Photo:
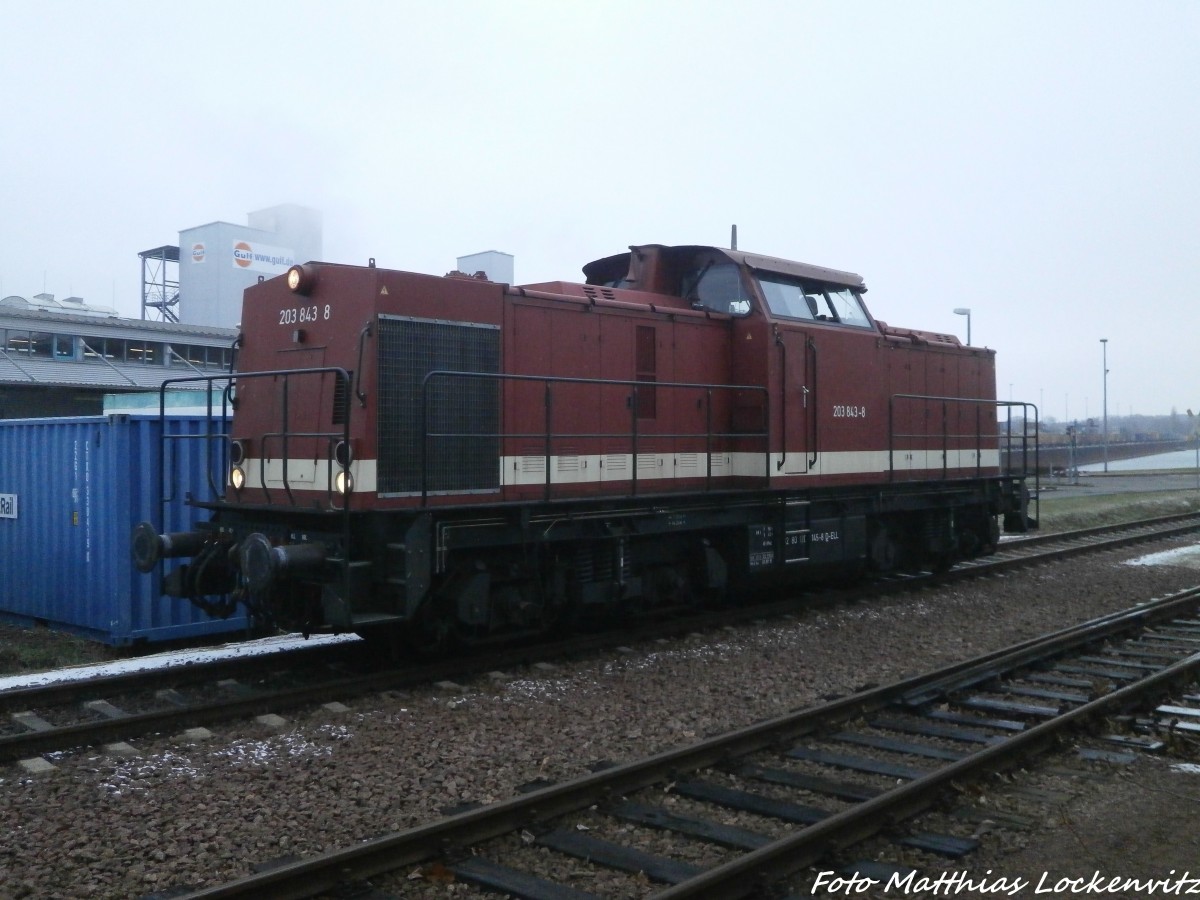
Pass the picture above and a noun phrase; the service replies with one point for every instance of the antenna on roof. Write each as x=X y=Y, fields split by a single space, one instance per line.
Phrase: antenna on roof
x=733 y=238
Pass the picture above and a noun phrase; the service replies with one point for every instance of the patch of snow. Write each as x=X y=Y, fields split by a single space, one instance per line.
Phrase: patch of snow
x=1186 y=557
x=131 y=776
x=261 y=647
x=292 y=746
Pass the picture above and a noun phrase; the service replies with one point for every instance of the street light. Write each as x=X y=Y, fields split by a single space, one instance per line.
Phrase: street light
x=965 y=311
x=1196 y=438
x=1104 y=346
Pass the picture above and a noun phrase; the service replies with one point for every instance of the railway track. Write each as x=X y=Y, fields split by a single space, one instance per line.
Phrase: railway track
x=826 y=777
x=1064 y=545
x=120 y=708
x=1175 y=523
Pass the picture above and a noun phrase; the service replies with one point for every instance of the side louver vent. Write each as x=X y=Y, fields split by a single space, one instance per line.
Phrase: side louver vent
x=455 y=431
x=341 y=398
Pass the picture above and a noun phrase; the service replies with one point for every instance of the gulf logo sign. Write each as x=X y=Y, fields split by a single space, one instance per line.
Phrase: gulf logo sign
x=242 y=254
x=256 y=257
x=198 y=252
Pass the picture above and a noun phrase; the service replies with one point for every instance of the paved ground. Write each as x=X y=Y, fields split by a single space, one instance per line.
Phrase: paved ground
x=1093 y=484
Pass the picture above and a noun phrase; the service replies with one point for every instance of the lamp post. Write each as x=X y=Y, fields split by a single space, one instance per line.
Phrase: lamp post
x=965 y=311
x=1104 y=346
x=1196 y=439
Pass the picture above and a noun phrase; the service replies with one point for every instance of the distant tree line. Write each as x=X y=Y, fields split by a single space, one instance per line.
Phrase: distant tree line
x=1175 y=426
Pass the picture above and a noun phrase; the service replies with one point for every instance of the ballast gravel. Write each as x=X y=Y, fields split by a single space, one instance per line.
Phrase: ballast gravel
x=199 y=812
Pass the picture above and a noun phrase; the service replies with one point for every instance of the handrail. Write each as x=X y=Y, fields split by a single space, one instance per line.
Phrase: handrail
x=1028 y=443
x=783 y=427
x=168 y=496
x=211 y=437
x=284 y=434
x=362 y=340
x=815 y=418
x=548 y=436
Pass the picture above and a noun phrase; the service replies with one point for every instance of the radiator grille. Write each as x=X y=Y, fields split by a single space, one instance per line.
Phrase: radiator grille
x=462 y=453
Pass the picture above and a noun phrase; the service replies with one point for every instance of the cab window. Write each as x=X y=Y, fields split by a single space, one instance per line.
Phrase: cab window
x=847 y=306
x=814 y=301
x=717 y=286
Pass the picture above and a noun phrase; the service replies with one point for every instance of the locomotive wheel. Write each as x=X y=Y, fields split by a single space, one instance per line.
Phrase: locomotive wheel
x=385 y=643
x=884 y=555
x=432 y=636
x=993 y=535
x=941 y=563
x=671 y=589
x=980 y=538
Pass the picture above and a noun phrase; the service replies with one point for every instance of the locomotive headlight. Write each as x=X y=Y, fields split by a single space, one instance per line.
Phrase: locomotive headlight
x=343 y=482
x=300 y=279
x=237 y=478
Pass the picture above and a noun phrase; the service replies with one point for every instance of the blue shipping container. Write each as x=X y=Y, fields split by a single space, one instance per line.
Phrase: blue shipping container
x=71 y=492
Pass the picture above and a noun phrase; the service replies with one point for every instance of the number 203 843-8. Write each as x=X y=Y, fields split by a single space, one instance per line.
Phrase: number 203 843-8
x=849 y=412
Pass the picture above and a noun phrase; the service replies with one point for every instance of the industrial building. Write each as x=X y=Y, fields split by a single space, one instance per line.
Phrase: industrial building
x=56 y=360
x=60 y=357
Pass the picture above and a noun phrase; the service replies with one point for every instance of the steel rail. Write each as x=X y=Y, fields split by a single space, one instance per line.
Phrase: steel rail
x=744 y=876
x=1182 y=520
x=739 y=878
x=1131 y=537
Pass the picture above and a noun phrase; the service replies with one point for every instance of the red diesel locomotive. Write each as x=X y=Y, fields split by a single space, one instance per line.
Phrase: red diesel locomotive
x=469 y=459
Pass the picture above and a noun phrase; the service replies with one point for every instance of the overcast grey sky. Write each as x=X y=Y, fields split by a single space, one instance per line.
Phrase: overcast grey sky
x=1038 y=162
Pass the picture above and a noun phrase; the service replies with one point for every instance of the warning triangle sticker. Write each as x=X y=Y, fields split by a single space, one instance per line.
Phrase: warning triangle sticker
x=383 y=291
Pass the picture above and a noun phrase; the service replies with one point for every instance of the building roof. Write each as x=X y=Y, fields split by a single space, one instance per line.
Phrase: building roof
x=43 y=319
x=46 y=302
x=70 y=373
x=18 y=370
x=167 y=251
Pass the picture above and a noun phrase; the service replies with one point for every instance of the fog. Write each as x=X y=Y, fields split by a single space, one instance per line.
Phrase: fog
x=1033 y=162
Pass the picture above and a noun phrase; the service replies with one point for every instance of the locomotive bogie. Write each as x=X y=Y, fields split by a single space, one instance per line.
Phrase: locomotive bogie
x=482 y=461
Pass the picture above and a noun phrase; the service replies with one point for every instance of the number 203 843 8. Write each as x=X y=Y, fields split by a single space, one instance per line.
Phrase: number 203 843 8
x=849 y=412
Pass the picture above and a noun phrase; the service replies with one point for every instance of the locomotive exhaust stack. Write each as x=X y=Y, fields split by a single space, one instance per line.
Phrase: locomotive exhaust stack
x=689 y=423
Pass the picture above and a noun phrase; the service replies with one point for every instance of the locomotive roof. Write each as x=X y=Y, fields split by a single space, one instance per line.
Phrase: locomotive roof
x=801 y=270
x=597 y=269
